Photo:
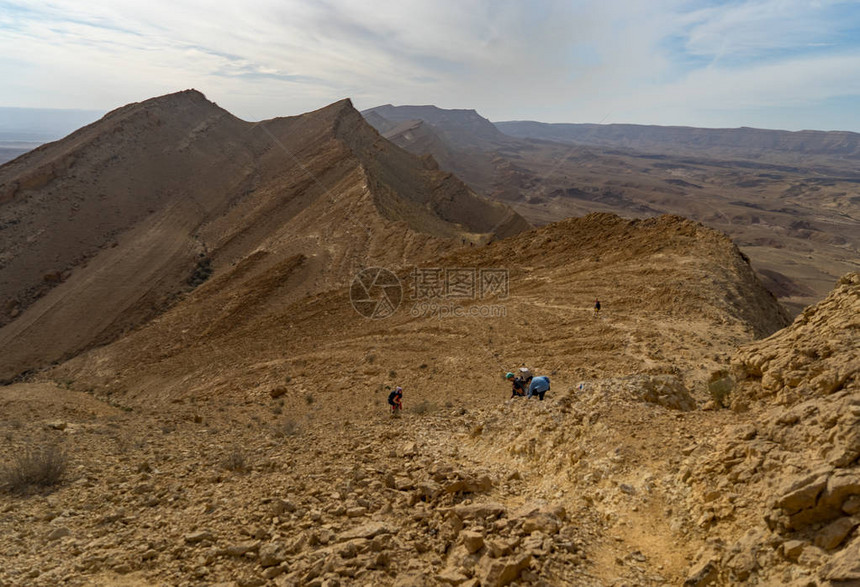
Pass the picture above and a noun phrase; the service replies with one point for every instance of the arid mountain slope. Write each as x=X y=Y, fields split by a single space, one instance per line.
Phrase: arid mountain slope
x=661 y=279
x=782 y=488
x=789 y=200
x=240 y=438
x=459 y=140
x=107 y=226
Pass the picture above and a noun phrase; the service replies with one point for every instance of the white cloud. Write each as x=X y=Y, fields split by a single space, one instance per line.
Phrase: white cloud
x=631 y=60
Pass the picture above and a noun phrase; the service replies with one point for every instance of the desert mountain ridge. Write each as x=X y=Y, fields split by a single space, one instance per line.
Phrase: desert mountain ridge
x=248 y=442
x=226 y=422
x=107 y=226
x=787 y=199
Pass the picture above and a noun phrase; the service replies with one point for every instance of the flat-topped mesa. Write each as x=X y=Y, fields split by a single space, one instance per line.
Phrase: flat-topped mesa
x=461 y=125
x=742 y=141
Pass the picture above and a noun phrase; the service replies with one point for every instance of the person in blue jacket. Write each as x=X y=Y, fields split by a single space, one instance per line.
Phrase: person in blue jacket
x=538 y=387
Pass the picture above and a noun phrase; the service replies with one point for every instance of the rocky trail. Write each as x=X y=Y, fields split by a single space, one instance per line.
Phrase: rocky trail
x=239 y=448
x=439 y=495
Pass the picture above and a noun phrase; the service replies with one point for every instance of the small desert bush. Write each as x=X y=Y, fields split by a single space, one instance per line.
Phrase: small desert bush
x=35 y=468
x=720 y=385
x=288 y=427
x=424 y=407
x=235 y=461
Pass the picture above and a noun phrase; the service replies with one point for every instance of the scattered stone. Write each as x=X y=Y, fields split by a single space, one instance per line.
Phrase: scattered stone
x=200 y=536
x=452 y=577
x=835 y=533
x=272 y=554
x=791 y=549
x=478 y=511
x=703 y=574
x=272 y=572
x=241 y=548
x=500 y=572
x=473 y=541
x=58 y=533
x=280 y=506
x=250 y=581
x=470 y=485
x=541 y=522
x=667 y=391
x=367 y=531
x=802 y=494
x=844 y=568
x=150 y=554
x=413 y=579
x=628 y=489
x=852 y=505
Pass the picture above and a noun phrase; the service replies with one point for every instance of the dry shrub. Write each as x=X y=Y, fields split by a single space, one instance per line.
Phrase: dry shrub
x=288 y=427
x=35 y=468
x=424 y=407
x=235 y=461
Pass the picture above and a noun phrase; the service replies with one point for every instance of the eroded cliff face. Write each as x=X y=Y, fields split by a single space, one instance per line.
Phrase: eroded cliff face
x=780 y=493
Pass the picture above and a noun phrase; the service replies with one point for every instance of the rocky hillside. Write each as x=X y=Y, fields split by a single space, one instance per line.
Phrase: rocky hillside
x=245 y=439
x=108 y=226
x=779 y=493
x=663 y=282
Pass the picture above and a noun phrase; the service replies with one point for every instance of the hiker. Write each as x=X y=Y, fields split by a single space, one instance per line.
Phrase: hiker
x=395 y=400
x=538 y=387
x=519 y=387
x=596 y=307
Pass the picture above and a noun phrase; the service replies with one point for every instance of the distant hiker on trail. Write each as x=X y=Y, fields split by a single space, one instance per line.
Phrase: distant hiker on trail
x=519 y=387
x=395 y=400
x=538 y=387
x=596 y=307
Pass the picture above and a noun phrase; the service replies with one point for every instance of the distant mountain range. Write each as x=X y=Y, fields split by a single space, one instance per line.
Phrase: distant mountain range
x=743 y=143
x=23 y=129
x=789 y=199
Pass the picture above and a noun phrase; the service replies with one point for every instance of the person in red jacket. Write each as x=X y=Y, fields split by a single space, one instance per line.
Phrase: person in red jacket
x=395 y=400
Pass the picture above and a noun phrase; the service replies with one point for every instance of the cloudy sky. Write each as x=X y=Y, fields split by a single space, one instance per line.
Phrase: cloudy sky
x=789 y=64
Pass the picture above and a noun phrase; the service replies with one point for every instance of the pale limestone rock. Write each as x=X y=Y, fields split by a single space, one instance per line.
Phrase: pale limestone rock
x=58 y=533
x=833 y=534
x=473 y=541
x=272 y=554
x=368 y=531
x=844 y=568
x=199 y=536
x=792 y=549
x=502 y=571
